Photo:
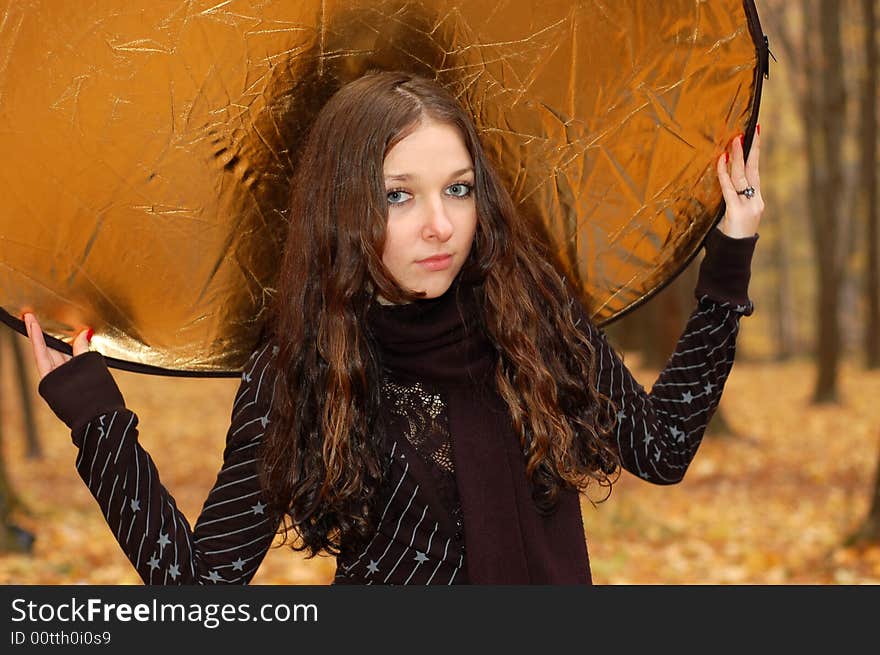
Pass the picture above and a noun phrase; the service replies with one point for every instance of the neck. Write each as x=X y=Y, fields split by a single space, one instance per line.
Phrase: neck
x=384 y=301
x=439 y=340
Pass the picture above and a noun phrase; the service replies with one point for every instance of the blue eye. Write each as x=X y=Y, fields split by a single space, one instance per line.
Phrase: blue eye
x=459 y=190
x=398 y=196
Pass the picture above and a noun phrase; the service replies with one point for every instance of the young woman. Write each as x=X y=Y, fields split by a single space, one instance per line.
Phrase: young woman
x=431 y=397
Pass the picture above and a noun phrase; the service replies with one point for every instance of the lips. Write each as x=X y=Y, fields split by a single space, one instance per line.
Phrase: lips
x=436 y=263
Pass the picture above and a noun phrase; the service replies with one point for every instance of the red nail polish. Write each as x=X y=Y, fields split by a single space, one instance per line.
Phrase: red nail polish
x=759 y=129
x=89 y=335
x=726 y=157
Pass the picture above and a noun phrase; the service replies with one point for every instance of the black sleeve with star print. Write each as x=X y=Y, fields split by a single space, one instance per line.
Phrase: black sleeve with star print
x=657 y=434
x=232 y=533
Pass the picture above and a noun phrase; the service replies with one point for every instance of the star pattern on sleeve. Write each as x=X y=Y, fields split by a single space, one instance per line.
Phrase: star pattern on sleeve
x=657 y=434
x=233 y=527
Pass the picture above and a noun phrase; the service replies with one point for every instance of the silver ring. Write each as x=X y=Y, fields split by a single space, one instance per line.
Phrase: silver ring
x=748 y=192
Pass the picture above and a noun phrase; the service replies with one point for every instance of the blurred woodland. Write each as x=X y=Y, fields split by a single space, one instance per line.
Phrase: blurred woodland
x=786 y=486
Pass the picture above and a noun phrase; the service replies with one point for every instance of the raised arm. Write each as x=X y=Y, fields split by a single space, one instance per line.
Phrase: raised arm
x=658 y=433
x=232 y=533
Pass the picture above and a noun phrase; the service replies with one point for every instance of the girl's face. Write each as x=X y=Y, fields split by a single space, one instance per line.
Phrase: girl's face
x=432 y=216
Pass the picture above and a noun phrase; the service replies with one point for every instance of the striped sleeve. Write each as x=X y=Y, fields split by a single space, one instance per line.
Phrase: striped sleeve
x=232 y=533
x=657 y=433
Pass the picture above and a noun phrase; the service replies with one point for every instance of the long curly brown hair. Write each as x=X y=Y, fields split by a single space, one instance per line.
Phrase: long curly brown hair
x=321 y=465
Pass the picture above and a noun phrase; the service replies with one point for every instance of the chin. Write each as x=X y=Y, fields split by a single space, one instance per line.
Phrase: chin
x=436 y=289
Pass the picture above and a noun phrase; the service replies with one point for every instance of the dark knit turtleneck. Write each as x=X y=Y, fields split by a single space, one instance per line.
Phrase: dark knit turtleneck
x=440 y=339
x=442 y=343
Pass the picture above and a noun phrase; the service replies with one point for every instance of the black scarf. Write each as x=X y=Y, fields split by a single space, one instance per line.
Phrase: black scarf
x=440 y=341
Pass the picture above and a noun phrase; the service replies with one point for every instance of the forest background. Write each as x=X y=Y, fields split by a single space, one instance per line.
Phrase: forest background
x=786 y=486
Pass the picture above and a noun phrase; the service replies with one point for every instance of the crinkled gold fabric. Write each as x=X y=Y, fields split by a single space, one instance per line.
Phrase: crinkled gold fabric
x=147 y=145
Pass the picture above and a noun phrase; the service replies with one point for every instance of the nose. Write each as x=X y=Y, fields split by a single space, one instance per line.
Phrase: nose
x=438 y=224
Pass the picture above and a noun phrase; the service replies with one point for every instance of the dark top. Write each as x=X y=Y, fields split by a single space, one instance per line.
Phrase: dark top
x=420 y=537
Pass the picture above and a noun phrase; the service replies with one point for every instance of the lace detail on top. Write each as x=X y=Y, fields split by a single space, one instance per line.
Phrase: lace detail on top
x=422 y=417
x=420 y=414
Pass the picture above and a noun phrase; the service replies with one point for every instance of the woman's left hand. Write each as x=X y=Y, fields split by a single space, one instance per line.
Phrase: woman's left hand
x=743 y=213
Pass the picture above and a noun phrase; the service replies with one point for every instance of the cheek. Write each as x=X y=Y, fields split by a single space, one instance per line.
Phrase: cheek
x=469 y=224
x=391 y=252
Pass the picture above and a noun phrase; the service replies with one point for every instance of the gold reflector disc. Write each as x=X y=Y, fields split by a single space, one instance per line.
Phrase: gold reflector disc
x=147 y=146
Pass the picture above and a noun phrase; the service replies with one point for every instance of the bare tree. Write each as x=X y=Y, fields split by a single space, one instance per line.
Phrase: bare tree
x=819 y=87
x=778 y=266
x=23 y=379
x=869 y=531
x=868 y=157
x=830 y=184
x=12 y=537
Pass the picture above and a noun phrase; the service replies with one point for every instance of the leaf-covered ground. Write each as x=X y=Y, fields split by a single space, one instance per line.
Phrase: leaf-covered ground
x=770 y=505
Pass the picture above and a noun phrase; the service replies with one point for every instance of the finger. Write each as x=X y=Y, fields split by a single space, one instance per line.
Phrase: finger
x=46 y=358
x=57 y=357
x=724 y=180
x=752 y=173
x=737 y=164
x=81 y=342
x=41 y=355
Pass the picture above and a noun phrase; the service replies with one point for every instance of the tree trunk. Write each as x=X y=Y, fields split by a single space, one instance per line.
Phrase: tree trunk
x=779 y=266
x=869 y=532
x=869 y=187
x=12 y=538
x=23 y=378
x=829 y=185
x=799 y=49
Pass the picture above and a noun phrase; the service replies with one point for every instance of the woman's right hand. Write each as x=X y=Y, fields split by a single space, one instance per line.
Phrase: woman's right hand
x=48 y=360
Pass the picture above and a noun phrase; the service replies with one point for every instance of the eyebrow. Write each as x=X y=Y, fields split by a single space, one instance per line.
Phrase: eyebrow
x=403 y=177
